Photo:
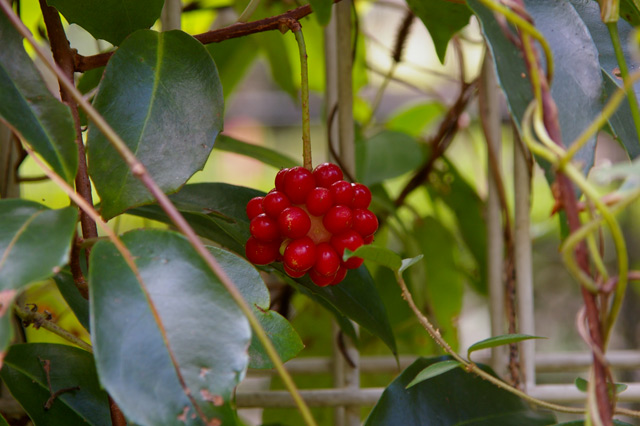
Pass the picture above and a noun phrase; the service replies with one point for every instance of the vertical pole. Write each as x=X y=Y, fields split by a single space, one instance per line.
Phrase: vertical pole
x=171 y=14
x=340 y=92
x=490 y=112
x=523 y=263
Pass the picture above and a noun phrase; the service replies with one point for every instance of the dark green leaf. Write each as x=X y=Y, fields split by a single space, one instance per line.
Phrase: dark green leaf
x=321 y=10
x=583 y=385
x=416 y=119
x=386 y=155
x=248 y=281
x=621 y=122
x=630 y=12
x=162 y=94
x=454 y=398
x=434 y=370
x=78 y=304
x=70 y=367
x=30 y=110
x=469 y=209
x=3 y=421
x=233 y=58
x=443 y=19
x=260 y=153
x=206 y=332
x=88 y=82
x=496 y=341
x=110 y=20
x=577 y=95
x=443 y=281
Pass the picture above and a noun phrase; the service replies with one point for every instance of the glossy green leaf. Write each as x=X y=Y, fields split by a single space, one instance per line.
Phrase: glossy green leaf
x=578 y=95
x=78 y=304
x=434 y=370
x=233 y=58
x=444 y=280
x=442 y=18
x=260 y=153
x=24 y=374
x=469 y=209
x=583 y=385
x=416 y=119
x=206 y=334
x=407 y=263
x=86 y=83
x=29 y=108
x=622 y=121
x=110 y=20
x=321 y=10
x=161 y=93
x=250 y=284
x=505 y=339
x=454 y=398
x=381 y=255
x=386 y=155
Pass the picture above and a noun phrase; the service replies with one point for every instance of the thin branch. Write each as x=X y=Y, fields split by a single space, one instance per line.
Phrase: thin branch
x=39 y=320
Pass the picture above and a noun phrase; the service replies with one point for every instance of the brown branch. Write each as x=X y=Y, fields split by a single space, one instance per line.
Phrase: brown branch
x=240 y=29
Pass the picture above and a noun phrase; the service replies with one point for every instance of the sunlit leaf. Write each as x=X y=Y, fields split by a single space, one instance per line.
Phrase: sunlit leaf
x=505 y=339
x=583 y=385
x=434 y=370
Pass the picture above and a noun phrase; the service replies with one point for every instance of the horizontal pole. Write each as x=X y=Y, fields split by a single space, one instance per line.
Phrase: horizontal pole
x=569 y=394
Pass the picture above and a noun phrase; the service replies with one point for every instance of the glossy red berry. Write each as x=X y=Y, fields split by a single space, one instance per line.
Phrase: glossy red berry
x=327 y=260
x=294 y=222
x=320 y=280
x=326 y=174
x=294 y=274
x=300 y=254
x=319 y=201
x=361 y=197
x=340 y=275
x=338 y=219
x=279 y=181
x=261 y=253
x=348 y=240
x=365 y=223
x=342 y=193
x=254 y=207
x=264 y=228
x=274 y=203
x=298 y=182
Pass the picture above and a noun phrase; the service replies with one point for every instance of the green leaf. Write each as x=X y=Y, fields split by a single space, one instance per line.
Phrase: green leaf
x=407 y=263
x=161 y=93
x=250 y=284
x=380 y=255
x=386 y=155
x=448 y=185
x=630 y=11
x=86 y=83
x=206 y=334
x=416 y=119
x=496 y=341
x=453 y=399
x=583 y=385
x=443 y=19
x=3 y=421
x=434 y=370
x=78 y=304
x=233 y=58
x=321 y=10
x=577 y=95
x=70 y=367
x=443 y=280
x=29 y=108
x=622 y=121
x=110 y=20
x=260 y=153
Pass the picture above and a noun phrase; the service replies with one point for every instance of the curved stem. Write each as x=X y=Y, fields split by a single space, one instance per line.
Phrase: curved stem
x=248 y=11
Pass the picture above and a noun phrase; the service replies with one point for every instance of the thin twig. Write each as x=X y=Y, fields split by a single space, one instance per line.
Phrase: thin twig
x=39 y=320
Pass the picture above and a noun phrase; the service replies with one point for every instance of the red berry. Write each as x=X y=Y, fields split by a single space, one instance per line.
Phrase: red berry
x=263 y=228
x=292 y=273
x=338 y=219
x=274 y=203
x=294 y=222
x=365 y=223
x=342 y=272
x=300 y=254
x=279 y=181
x=298 y=182
x=327 y=260
x=319 y=279
x=261 y=253
x=326 y=174
x=369 y=239
x=319 y=201
x=348 y=240
x=254 y=207
x=342 y=192
x=362 y=196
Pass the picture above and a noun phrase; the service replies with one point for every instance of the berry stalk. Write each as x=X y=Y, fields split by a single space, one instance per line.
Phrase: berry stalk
x=304 y=97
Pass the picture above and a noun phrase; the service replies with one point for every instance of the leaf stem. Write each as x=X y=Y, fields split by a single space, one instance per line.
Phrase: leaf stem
x=248 y=11
x=39 y=320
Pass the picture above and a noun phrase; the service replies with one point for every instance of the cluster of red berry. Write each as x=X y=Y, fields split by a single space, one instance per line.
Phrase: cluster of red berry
x=308 y=220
